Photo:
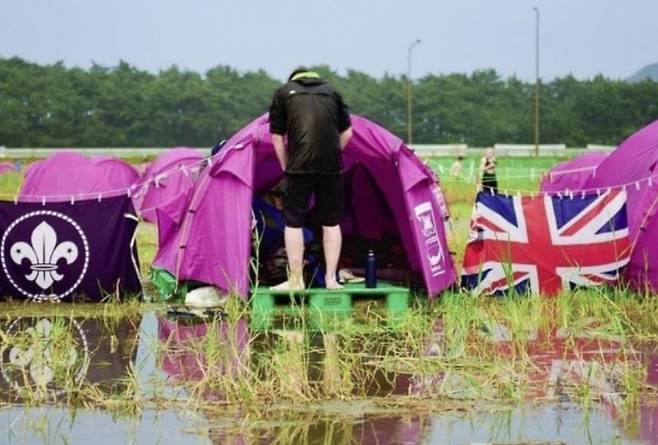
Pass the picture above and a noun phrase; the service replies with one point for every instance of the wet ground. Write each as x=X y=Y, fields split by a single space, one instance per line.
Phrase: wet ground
x=45 y=359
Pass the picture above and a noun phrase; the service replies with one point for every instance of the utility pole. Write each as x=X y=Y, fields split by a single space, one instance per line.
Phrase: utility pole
x=409 y=85
x=536 y=9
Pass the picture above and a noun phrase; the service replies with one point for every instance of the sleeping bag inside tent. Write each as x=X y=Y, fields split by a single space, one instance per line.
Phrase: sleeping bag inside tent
x=393 y=205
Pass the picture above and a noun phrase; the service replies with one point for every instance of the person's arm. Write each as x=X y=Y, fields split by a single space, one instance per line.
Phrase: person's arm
x=344 y=121
x=278 y=128
x=280 y=149
x=345 y=137
x=483 y=161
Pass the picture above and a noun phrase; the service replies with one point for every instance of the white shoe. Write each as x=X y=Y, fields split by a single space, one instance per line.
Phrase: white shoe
x=346 y=276
x=291 y=286
x=204 y=297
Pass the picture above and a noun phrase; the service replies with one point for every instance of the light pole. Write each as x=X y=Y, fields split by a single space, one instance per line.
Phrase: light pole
x=409 y=129
x=536 y=9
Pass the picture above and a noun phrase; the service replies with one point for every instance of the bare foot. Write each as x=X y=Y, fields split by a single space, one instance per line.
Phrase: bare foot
x=333 y=285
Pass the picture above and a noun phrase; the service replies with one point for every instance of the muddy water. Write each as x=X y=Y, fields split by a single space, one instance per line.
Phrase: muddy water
x=36 y=381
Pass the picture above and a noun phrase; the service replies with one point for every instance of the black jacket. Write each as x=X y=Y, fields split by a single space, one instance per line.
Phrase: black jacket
x=312 y=115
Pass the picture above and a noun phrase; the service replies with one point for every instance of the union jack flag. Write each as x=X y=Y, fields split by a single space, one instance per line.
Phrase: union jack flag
x=545 y=244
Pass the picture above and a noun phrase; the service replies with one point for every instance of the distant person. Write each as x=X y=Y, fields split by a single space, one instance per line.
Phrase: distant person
x=457 y=168
x=312 y=117
x=489 y=182
x=217 y=147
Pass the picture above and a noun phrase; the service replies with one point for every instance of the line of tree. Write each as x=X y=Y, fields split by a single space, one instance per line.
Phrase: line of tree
x=123 y=106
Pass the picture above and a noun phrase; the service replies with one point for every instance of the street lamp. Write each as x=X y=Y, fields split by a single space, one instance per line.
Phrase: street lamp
x=536 y=9
x=409 y=130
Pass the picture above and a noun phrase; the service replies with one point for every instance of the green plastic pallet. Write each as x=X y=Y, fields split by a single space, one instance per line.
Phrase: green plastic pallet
x=322 y=305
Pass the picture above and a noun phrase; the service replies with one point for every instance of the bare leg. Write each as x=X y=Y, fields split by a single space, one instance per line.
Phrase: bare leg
x=294 y=238
x=332 y=240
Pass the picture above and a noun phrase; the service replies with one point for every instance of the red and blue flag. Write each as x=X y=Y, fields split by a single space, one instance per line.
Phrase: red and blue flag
x=545 y=244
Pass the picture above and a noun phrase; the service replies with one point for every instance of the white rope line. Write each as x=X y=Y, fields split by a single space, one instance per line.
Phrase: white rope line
x=637 y=184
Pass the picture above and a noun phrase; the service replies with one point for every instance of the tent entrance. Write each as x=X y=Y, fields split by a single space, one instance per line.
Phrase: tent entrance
x=368 y=223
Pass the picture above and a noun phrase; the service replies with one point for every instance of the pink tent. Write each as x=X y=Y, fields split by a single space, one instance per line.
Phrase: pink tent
x=205 y=234
x=67 y=173
x=6 y=166
x=572 y=174
x=167 y=179
x=633 y=163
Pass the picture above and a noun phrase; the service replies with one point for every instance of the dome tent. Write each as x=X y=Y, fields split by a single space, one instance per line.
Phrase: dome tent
x=68 y=173
x=6 y=166
x=635 y=164
x=205 y=234
x=634 y=167
x=572 y=174
x=166 y=179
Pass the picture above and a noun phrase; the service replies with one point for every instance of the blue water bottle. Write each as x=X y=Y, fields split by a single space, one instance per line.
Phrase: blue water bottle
x=371 y=270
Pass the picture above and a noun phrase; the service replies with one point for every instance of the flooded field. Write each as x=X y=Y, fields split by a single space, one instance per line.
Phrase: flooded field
x=581 y=368
x=135 y=374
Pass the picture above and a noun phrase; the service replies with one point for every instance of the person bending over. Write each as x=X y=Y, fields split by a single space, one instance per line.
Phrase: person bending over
x=312 y=117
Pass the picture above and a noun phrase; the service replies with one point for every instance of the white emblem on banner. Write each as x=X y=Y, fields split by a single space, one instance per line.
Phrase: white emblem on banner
x=47 y=256
x=43 y=255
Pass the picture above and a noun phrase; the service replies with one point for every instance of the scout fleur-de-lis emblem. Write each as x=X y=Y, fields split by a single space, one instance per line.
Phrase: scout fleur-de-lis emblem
x=43 y=254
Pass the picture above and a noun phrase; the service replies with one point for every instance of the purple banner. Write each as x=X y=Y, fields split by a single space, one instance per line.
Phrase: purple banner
x=65 y=251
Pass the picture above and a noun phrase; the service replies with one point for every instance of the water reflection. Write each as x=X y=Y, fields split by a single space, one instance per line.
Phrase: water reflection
x=48 y=357
x=53 y=357
x=193 y=348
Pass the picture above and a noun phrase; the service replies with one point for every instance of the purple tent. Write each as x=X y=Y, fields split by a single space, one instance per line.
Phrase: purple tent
x=572 y=174
x=167 y=179
x=6 y=166
x=634 y=163
x=67 y=173
x=205 y=234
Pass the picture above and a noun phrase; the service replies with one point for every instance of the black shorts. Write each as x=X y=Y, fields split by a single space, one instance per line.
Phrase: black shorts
x=328 y=193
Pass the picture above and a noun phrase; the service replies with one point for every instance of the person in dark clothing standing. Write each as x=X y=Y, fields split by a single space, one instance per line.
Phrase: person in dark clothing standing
x=313 y=118
x=489 y=182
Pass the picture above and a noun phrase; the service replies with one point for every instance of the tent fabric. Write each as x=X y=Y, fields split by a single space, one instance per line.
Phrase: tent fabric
x=396 y=192
x=635 y=160
x=68 y=173
x=166 y=179
x=572 y=174
x=6 y=166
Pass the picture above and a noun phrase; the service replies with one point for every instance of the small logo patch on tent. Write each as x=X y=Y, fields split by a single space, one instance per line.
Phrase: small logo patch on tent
x=427 y=222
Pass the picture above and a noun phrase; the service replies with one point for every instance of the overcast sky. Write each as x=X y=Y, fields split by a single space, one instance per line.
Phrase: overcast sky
x=582 y=37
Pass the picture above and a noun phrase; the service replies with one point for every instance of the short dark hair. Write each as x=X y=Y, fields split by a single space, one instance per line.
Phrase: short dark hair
x=299 y=69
